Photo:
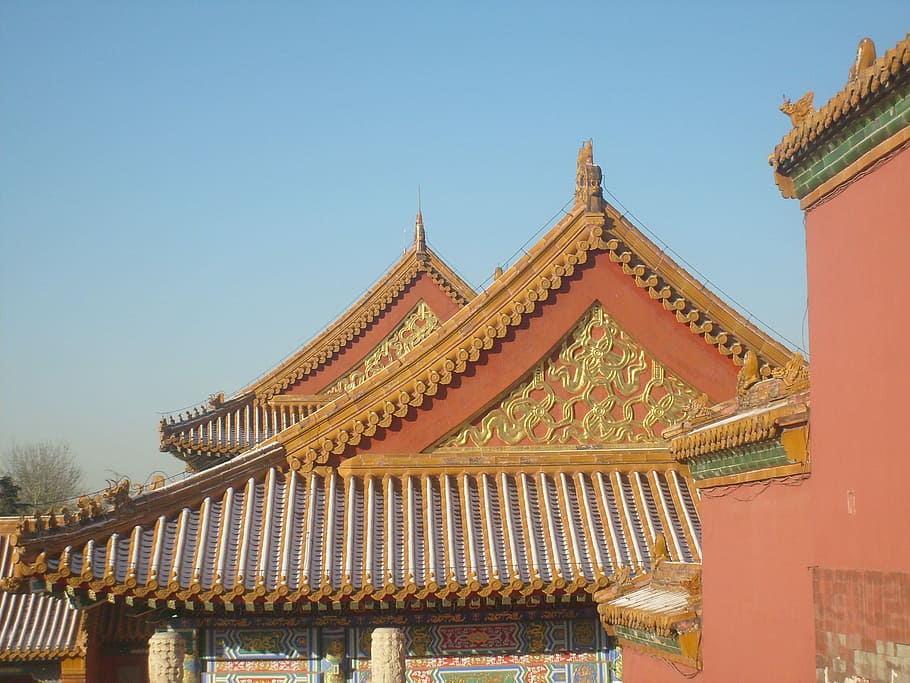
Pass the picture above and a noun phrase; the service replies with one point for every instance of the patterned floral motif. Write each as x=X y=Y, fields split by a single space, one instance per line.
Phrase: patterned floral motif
x=600 y=388
x=417 y=325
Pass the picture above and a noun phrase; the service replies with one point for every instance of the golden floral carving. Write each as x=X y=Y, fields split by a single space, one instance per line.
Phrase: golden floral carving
x=419 y=323
x=601 y=388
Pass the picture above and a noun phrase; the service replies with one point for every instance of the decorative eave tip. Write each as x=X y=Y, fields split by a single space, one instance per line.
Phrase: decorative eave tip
x=588 y=177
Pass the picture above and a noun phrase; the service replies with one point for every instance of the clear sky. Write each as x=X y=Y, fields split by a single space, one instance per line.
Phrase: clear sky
x=190 y=191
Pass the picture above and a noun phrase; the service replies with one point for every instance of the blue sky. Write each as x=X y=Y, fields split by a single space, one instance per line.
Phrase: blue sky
x=189 y=191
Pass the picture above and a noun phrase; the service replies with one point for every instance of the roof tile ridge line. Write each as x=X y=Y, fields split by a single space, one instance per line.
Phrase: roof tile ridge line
x=690 y=288
x=821 y=124
x=822 y=114
x=458 y=324
x=349 y=325
x=452 y=284
x=236 y=401
x=389 y=393
x=344 y=328
x=189 y=492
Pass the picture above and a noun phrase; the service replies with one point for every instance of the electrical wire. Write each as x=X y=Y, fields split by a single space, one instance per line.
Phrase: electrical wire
x=705 y=281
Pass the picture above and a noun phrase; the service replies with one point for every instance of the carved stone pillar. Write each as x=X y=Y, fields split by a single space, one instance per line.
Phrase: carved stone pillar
x=387 y=656
x=166 y=652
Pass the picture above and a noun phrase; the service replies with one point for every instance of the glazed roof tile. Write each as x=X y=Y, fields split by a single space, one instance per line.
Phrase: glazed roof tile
x=35 y=626
x=324 y=537
x=656 y=600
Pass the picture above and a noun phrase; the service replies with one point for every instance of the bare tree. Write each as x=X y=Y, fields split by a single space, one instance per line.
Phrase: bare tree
x=45 y=472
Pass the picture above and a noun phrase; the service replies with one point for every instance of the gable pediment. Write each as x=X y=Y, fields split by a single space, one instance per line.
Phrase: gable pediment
x=416 y=326
x=598 y=387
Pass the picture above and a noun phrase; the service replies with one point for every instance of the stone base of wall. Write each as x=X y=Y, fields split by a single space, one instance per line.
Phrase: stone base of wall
x=862 y=626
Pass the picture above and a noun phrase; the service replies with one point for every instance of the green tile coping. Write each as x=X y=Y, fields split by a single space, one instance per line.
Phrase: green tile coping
x=649 y=639
x=856 y=139
x=740 y=459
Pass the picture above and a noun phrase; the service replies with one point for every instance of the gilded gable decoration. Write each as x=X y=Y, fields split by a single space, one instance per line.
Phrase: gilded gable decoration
x=416 y=326
x=600 y=388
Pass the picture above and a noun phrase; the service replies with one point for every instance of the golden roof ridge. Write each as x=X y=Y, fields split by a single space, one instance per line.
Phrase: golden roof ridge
x=692 y=303
x=355 y=320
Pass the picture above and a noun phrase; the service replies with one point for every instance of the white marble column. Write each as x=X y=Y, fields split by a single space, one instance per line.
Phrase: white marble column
x=387 y=655
x=166 y=652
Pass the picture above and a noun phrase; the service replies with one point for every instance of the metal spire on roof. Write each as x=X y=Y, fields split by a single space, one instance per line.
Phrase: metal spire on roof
x=420 y=236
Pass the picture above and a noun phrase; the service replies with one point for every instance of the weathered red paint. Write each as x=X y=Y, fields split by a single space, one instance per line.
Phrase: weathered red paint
x=638 y=666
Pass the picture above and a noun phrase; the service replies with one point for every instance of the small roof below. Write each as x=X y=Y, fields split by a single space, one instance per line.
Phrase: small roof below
x=35 y=626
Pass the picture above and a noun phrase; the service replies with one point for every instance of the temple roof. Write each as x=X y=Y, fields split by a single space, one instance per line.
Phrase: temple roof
x=311 y=512
x=35 y=626
x=224 y=428
x=870 y=81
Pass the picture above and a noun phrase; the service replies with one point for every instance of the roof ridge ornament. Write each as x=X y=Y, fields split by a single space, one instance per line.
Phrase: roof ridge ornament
x=865 y=57
x=420 y=235
x=588 y=177
x=800 y=110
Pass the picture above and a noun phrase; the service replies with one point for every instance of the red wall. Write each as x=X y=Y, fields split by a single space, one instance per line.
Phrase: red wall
x=757 y=583
x=771 y=598
x=858 y=247
x=758 y=617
